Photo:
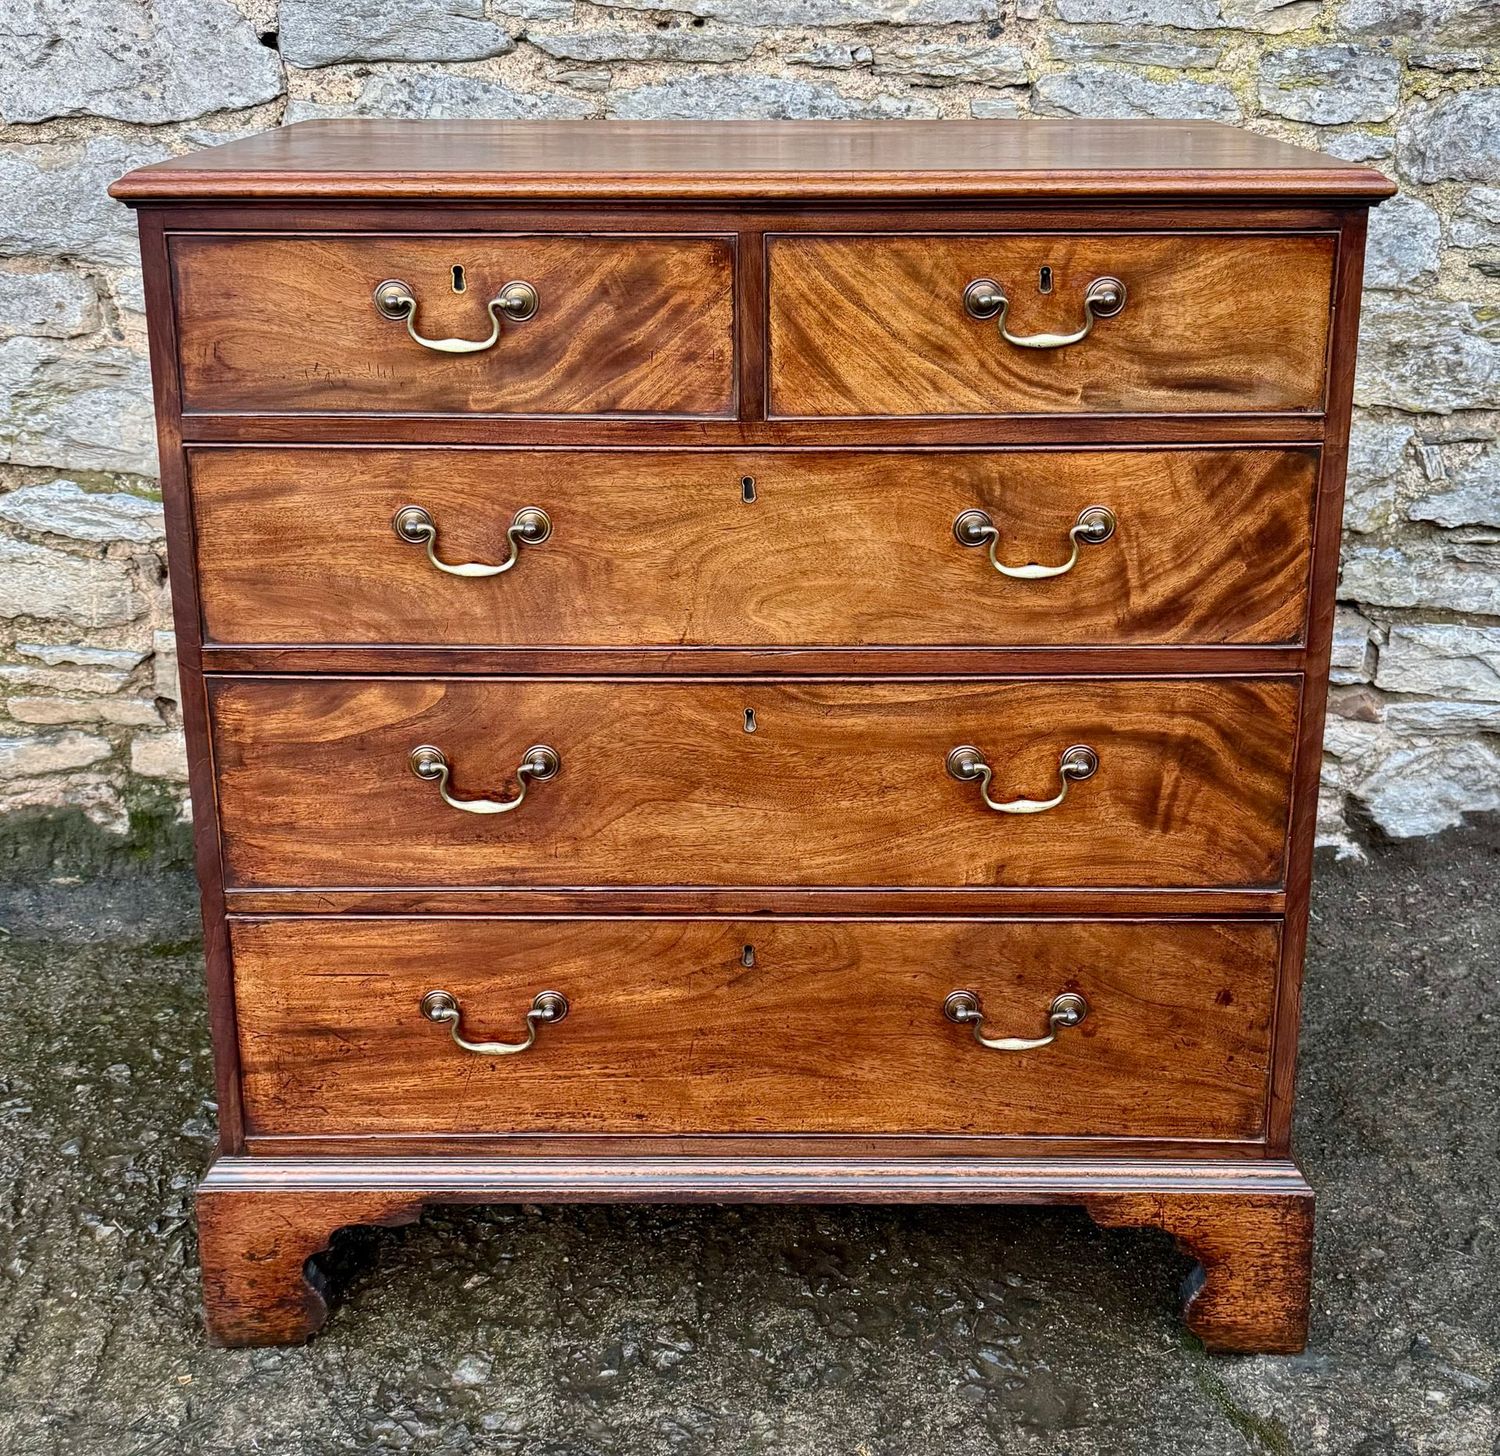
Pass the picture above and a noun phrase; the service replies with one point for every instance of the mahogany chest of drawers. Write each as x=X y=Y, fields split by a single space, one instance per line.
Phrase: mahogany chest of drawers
x=754 y=662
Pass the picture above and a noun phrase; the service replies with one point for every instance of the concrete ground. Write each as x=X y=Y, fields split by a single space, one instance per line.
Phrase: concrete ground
x=840 y=1332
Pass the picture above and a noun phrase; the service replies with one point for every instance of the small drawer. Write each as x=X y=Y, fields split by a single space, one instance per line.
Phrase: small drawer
x=1116 y=323
x=522 y=548
x=529 y=324
x=715 y=1026
x=1170 y=782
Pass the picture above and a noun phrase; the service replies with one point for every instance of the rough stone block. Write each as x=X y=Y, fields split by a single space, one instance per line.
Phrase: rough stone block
x=1270 y=16
x=53 y=586
x=166 y=61
x=827 y=12
x=833 y=57
x=1402 y=249
x=78 y=409
x=707 y=95
x=1454 y=22
x=1457 y=576
x=1411 y=717
x=1476 y=223
x=943 y=63
x=1426 y=788
x=532 y=9
x=159 y=756
x=1456 y=138
x=26 y=758
x=64 y=508
x=1377 y=449
x=54 y=200
x=1442 y=660
x=993 y=108
x=1330 y=84
x=55 y=304
x=1096 y=91
x=53 y=711
x=674 y=43
x=1357 y=146
x=73 y=654
x=1427 y=355
x=164 y=666
x=1352 y=652
x=418 y=94
x=1176 y=55
x=1471 y=496
x=96 y=796
x=327 y=32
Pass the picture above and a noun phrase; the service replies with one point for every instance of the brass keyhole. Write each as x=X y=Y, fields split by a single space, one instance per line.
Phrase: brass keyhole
x=747 y=956
x=1044 y=280
x=747 y=489
x=459 y=282
x=750 y=723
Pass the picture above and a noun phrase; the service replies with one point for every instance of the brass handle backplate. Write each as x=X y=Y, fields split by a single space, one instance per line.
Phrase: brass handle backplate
x=548 y=1008
x=985 y=299
x=1094 y=526
x=964 y=1008
x=530 y=526
x=538 y=764
x=518 y=301
x=967 y=764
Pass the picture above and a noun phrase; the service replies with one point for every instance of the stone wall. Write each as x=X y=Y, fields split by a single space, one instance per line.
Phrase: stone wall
x=89 y=88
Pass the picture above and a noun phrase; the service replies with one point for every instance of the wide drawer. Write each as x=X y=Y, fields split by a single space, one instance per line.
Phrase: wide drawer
x=1210 y=323
x=832 y=1027
x=671 y=783
x=771 y=548
x=622 y=325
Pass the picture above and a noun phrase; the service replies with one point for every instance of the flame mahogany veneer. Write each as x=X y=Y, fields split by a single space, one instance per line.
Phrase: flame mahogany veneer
x=766 y=375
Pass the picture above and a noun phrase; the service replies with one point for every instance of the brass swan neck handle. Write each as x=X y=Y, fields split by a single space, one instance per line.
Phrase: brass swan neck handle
x=986 y=299
x=538 y=764
x=518 y=301
x=530 y=526
x=968 y=765
x=1094 y=526
x=966 y=1009
x=547 y=1009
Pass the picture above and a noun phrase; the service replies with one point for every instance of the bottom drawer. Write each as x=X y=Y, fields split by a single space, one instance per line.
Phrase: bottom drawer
x=756 y=1027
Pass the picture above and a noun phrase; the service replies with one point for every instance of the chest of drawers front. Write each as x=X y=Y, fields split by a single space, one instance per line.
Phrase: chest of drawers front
x=754 y=699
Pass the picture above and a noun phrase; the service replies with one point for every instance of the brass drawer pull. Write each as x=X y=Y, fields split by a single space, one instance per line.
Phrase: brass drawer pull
x=530 y=526
x=1094 y=526
x=549 y=1007
x=985 y=299
x=517 y=301
x=539 y=763
x=967 y=764
x=964 y=1008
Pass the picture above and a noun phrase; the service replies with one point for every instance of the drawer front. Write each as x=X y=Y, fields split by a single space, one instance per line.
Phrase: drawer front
x=661 y=548
x=838 y=784
x=622 y=325
x=835 y=1028
x=877 y=325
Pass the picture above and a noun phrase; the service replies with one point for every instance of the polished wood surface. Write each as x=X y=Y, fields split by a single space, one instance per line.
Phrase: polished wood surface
x=877 y=326
x=836 y=1027
x=1034 y=158
x=1251 y=1291
x=661 y=549
x=623 y=326
x=1204 y=659
x=840 y=784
